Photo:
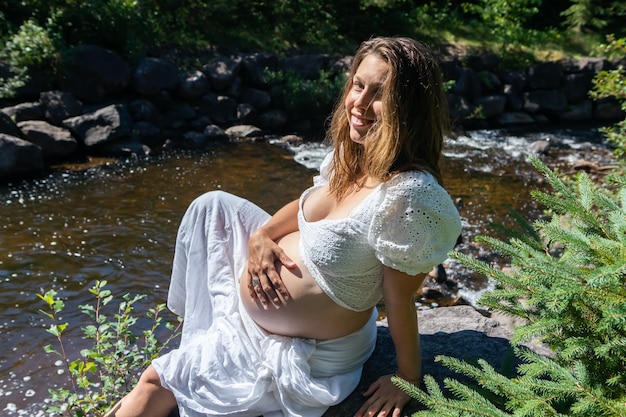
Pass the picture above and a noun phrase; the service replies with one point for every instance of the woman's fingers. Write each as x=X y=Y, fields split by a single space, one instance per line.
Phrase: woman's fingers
x=265 y=291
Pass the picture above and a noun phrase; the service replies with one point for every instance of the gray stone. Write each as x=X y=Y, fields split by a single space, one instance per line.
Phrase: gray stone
x=545 y=75
x=260 y=99
x=95 y=73
x=59 y=105
x=608 y=109
x=8 y=126
x=255 y=66
x=215 y=133
x=192 y=85
x=491 y=106
x=152 y=75
x=467 y=84
x=551 y=101
x=105 y=125
x=577 y=86
x=580 y=112
x=459 y=107
x=515 y=118
x=55 y=142
x=307 y=67
x=273 y=119
x=244 y=131
x=247 y=114
x=25 y=111
x=222 y=72
x=18 y=156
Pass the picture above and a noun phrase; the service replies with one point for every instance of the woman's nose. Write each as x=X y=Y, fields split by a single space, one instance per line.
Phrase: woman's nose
x=362 y=100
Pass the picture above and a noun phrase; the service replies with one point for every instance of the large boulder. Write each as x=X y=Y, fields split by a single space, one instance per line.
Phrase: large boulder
x=8 y=126
x=222 y=72
x=18 y=156
x=55 y=142
x=101 y=126
x=59 y=105
x=95 y=73
x=152 y=75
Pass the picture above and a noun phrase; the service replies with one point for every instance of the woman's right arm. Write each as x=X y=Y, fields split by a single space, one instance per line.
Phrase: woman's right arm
x=263 y=252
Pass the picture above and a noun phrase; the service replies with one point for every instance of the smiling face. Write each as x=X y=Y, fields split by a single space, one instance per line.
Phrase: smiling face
x=363 y=102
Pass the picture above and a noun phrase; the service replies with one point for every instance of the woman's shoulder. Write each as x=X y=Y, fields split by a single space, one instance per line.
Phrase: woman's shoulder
x=413 y=181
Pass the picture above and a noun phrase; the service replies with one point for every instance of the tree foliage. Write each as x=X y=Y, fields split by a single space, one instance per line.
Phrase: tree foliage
x=568 y=280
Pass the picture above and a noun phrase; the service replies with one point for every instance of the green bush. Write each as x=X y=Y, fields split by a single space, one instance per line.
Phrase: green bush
x=568 y=280
x=308 y=99
x=107 y=370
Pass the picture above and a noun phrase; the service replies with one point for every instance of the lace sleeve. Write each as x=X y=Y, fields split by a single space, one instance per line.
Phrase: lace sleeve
x=324 y=175
x=416 y=224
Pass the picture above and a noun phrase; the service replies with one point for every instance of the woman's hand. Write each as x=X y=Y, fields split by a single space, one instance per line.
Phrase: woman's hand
x=385 y=399
x=264 y=282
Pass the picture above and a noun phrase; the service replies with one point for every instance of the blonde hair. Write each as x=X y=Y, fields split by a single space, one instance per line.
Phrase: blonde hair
x=413 y=122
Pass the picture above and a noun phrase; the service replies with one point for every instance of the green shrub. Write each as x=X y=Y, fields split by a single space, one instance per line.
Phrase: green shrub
x=104 y=373
x=568 y=280
x=308 y=99
x=31 y=47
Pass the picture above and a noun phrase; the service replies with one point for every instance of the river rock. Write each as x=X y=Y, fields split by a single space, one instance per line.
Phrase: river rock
x=247 y=114
x=578 y=112
x=483 y=62
x=104 y=125
x=18 y=156
x=608 y=109
x=192 y=85
x=273 y=119
x=551 y=101
x=577 y=86
x=515 y=118
x=467 y=84
x=255 y=67
x=222 y=72
x=59 y=105
x=55 y=142
x=491 y=106
x=8 y=126
x=143 y=110
x=152 y=75
x=306 y=66
x=215 y=133
x=30 y=110
x=95 y=73
x=243 y=131
x=545 y=76
x=260 y=99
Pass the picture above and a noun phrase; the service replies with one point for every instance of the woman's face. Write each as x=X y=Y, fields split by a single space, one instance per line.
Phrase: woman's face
x=363 y=102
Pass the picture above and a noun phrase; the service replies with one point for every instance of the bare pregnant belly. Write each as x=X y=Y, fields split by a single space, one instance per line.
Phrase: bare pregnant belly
x=309 y=313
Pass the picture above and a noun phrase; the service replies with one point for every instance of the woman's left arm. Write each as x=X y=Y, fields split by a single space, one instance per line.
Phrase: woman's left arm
x=385 y=398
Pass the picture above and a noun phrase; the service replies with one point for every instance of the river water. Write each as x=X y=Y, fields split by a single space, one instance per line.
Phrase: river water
x=117 y=220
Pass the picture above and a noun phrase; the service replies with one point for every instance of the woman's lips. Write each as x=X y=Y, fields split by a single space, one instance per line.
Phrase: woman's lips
x=358 y=121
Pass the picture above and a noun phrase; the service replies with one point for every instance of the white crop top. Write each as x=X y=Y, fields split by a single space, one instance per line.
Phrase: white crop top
x=408 y=223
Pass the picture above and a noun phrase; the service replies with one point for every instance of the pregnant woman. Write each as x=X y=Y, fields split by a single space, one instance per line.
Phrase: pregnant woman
x=280 y=310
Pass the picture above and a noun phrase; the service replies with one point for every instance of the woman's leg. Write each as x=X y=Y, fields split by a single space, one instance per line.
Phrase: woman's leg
x=148 y=398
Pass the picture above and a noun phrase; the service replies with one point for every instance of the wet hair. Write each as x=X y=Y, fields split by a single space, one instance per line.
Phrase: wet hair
x=413 y=122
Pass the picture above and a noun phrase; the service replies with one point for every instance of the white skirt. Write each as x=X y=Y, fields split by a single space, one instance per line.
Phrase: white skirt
x=226 y=364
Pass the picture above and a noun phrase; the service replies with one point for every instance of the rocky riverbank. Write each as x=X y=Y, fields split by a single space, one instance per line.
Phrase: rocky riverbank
x=104 y=105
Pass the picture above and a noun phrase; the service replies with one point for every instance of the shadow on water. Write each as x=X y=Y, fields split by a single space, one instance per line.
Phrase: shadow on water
x=118 y=221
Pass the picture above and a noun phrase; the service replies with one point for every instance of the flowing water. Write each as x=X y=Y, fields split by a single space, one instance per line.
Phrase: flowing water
x=117 y=221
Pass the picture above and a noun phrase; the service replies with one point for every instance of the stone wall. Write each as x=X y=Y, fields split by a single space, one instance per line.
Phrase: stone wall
x=104 y=105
